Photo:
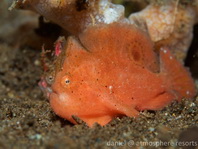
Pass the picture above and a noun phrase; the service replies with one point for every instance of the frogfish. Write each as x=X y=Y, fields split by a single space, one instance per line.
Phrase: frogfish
x=114 y=70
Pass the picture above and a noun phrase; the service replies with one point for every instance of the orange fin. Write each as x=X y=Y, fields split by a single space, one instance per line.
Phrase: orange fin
x=74 y=51
x=102 y=120
x=74 y=47
x=157 y=103
x=177 y=77
x=113 y=111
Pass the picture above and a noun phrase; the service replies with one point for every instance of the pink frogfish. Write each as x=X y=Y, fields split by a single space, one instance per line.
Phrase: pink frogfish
x=113 y=70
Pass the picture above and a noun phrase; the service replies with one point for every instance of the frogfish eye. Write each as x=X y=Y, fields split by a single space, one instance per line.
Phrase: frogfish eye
x=65 y=81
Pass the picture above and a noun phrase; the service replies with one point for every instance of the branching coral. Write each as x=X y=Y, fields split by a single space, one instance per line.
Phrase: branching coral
x=74 y=15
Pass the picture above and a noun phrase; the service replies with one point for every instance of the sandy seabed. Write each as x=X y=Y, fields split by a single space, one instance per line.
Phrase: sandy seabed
x=27 y=121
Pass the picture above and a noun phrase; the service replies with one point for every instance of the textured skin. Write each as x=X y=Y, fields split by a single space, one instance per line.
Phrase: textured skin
x=112 y=70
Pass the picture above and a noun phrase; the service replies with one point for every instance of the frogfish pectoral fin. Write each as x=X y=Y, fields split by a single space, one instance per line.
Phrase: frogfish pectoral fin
x=100 y=119
x=158 y=102
x=106 y=118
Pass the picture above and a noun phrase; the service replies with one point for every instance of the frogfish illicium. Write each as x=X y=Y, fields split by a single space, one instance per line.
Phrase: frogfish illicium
x=113 y=70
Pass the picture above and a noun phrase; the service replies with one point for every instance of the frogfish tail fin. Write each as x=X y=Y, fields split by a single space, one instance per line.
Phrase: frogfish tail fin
x=177 y=77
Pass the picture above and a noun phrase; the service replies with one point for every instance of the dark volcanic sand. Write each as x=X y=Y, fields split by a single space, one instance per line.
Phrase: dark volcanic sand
x=27 y=121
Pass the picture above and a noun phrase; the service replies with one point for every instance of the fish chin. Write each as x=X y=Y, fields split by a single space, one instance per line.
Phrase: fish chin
x=61 y=99
x=59 y=102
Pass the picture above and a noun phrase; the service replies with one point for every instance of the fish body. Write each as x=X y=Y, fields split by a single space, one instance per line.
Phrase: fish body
x=113 y=70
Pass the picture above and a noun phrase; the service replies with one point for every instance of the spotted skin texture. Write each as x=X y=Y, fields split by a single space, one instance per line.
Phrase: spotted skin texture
x=112 y=70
